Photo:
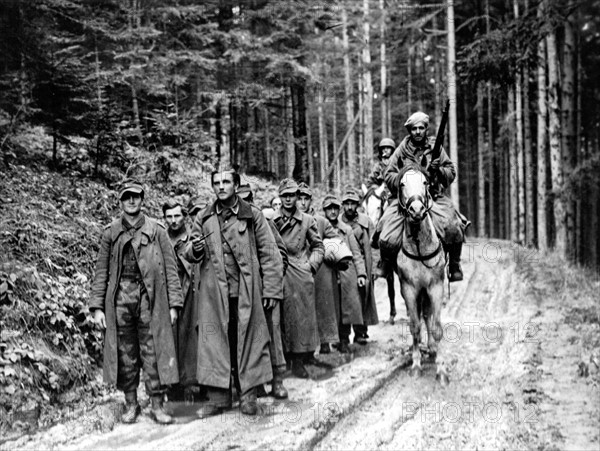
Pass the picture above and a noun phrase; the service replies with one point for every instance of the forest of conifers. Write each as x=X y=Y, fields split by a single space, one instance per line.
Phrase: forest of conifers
x=308 y=88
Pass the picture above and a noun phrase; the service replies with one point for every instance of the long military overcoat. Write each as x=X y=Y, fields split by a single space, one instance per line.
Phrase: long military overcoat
x=348 y=300
x=305 y=255
x=255 y=251
x=363 y=229
x=156 y=261
x=326 y=288
x=186 y=333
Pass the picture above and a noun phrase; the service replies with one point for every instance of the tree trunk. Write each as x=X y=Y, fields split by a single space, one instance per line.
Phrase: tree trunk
x=301 y=167
x=513 y=167
x=348 y=89
x=529 y=165
x=520 y=157
x=409 y=63
x=309 y=150
x=361 y=128
x=385 y=132
x=225 y=125
x=490 y=144
x=556 y=161
x=338 y=162
x=324 y=157
x=367 y=87
x=136 y=111
x=542 y=149
x=480 y=157
x=568 y=107
x=290 y=159
x=98 y=78
x=452 y=118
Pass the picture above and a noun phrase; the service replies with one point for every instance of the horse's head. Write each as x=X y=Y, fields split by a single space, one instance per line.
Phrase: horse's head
x=373 y=202
x=413 y=195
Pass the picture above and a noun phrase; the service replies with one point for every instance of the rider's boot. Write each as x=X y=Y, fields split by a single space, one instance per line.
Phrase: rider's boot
x=454 y=251
x=375 y=239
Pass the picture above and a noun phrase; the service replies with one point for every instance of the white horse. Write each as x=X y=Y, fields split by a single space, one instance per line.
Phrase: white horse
x=374 y=203
x=420 y=266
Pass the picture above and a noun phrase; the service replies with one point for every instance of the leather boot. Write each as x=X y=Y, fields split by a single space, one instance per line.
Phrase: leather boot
x=132 y=408
x=375 y=239
x=298 y=368
x=325 y=349
x=248 y=402
x=454 y=251
x=157 y=413
x=278 y=391
x=344 y=347
x=261 y=392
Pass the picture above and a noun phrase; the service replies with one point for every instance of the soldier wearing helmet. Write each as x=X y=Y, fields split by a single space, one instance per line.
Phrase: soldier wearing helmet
x=385 y=149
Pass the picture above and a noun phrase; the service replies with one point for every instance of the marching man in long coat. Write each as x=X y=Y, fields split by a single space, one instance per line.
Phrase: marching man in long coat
x=185 y=333
x=136 y=296
x=305 y=254
x=325 y=278
x=235 y=246
x=349 y=278
x=363 y=229
x=273 y=315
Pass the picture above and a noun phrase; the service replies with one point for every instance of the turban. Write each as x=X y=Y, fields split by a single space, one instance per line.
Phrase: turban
x=415 y=118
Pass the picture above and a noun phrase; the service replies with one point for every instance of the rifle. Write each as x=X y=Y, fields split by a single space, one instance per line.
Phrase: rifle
x=439 y=139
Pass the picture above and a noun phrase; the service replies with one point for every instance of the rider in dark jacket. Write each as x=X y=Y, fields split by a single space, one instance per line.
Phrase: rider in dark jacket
x=450 y=225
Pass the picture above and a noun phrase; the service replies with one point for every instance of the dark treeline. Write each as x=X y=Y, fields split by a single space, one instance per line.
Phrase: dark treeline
x=307 y=89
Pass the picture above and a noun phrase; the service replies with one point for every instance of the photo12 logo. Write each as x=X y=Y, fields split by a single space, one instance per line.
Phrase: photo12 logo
x=469 y=412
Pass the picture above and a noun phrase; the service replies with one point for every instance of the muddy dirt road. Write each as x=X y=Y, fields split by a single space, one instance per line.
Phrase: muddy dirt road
x=522 y=376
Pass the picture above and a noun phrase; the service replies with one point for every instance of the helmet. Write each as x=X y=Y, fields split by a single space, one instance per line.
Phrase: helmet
x=387 y=142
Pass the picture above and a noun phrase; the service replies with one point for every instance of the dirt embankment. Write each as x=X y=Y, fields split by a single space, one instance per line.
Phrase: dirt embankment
x=522 y=334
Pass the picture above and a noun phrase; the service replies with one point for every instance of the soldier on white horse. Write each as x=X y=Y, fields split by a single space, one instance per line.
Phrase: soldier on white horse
x=450 y=225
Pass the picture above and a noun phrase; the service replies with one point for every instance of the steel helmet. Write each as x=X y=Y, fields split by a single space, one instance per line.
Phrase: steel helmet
x=387 y=142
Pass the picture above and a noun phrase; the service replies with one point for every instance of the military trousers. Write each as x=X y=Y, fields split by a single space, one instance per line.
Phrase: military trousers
x=449 y=225
x=273 y=317
x=135 y=343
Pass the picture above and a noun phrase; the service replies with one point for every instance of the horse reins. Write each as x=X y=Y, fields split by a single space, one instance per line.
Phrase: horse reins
x=403 y=207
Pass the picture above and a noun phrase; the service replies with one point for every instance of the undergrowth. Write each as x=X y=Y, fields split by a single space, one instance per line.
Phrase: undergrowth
x=50 y=225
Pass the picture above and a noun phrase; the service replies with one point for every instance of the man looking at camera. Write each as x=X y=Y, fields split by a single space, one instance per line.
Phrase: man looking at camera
x=240 y=273
x=136 y=296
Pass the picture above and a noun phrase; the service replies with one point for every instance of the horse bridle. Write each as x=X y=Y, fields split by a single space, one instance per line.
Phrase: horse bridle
x=404 y=207
x=382 y=198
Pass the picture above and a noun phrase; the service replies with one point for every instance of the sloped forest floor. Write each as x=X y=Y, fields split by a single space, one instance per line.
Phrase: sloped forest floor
x=50 y=225
x=522 y=337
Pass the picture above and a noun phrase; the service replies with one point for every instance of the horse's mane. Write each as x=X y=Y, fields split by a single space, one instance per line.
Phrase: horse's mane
x=414 y=167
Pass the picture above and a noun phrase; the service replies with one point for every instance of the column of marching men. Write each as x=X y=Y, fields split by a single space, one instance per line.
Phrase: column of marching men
x=225 y=300
x=228 y=299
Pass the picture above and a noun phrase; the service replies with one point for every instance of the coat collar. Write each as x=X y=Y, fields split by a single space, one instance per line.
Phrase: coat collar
x=296 y=215
x=148 y=229
x=244 y=210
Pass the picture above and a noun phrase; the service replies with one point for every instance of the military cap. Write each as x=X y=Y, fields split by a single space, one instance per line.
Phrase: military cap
x=288 y=186
x=131 y=186
x=331 y=200
x=303 y=188
x=195 y=205
x=244 y=191
x=350 y=194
